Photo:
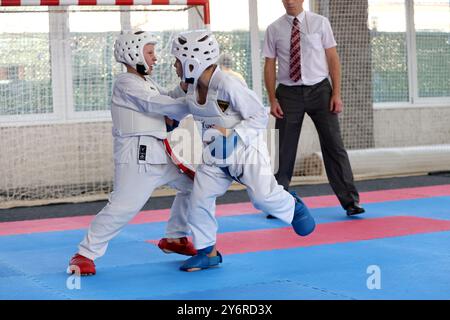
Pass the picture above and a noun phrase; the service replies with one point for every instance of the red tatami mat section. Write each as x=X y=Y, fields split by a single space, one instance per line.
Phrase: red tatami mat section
x=73 y=223
x=326 y=233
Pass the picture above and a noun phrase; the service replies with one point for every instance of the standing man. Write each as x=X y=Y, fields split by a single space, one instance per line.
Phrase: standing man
x=305 y=47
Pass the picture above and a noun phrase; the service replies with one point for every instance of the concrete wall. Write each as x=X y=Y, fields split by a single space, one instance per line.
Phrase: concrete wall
x=412 y=126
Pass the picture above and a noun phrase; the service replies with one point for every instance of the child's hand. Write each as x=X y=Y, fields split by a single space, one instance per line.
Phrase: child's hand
x=184 y=86
x=169 y=121
x=171 y=124
x=224 y=131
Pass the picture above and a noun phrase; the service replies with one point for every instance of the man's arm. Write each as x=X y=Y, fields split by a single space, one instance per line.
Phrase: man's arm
x=270 y=82
x=334 y=66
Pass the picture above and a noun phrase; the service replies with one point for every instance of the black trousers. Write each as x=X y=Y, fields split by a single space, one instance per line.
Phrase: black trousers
x=315 y=101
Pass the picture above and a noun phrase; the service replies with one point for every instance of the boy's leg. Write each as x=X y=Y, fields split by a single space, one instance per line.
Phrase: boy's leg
x=131 y=191
x=267 y=195
x=262 y=187
x=177 y=228
x=210 y=183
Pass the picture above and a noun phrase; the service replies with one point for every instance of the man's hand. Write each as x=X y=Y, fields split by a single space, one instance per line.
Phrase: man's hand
x=336 y=105
x=334 y=66
x=275 y=110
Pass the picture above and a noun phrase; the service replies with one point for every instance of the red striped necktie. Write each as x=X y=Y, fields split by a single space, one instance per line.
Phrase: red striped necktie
x=295 y=65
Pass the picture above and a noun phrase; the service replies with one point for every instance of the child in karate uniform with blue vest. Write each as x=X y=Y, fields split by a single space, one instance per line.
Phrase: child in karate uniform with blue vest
x=233 y=121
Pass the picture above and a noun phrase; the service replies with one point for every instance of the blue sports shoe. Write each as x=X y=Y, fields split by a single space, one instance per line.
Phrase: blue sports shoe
x=303 y=222
x=201 y=260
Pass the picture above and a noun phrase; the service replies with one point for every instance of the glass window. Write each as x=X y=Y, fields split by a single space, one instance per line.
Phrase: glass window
x=432 y=21
x=230 y=24
x=92 y=36
x=165 y=24
x=25 y=69
x=387 y=24
x=267 y=14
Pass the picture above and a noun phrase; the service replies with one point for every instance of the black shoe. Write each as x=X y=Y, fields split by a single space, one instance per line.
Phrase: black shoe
x=269 y=216
x=354 y=210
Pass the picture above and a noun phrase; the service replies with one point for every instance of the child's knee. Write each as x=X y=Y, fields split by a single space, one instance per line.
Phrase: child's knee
x=259 y=199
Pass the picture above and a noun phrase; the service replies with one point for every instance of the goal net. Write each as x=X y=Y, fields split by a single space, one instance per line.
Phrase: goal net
x=57 y=69
x=56 y=74
x=395 y=58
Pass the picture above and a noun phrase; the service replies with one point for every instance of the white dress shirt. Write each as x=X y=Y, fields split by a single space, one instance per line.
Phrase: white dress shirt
x=315 y=36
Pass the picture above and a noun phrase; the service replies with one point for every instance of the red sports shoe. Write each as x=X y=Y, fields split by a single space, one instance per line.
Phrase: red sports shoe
x=81 y=265
x=185 y=247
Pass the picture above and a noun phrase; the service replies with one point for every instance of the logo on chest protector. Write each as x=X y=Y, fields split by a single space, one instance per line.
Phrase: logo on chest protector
x=142 y=152
x=223 y=105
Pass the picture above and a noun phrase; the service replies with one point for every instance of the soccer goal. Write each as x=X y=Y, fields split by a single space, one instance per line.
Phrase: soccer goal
x=57 y=70
x=56 y=75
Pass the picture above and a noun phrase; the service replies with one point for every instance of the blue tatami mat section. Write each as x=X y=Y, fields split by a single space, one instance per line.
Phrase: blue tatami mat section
x=32 y=266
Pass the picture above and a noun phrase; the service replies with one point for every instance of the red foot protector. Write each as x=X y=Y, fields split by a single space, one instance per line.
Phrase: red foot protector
x=81 y=265
x=185 y=247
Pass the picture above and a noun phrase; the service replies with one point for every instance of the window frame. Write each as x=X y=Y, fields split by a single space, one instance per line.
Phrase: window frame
x=62 y=81
x=415 y=101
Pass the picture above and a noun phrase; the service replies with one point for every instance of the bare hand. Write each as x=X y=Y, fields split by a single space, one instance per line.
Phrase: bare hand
x=336 y=105
x=224 y=131
x=275 y=110
x=184 y=86
x=169 y=121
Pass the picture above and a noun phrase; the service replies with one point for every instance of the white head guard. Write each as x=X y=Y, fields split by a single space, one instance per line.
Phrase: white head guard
x=196 y=50
x=129 y=49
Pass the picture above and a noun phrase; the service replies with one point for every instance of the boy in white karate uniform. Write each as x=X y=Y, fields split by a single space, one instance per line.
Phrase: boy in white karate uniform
x=233 y=120
x=141 y=162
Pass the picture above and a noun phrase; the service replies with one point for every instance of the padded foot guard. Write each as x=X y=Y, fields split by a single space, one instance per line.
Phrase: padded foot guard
x=184 y=247
x=80 y=265
x=303 y=222
x=201 y=260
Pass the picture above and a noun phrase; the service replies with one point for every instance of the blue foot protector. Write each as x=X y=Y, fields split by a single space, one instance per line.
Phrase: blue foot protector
x=303 y=222
x=201 y=260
